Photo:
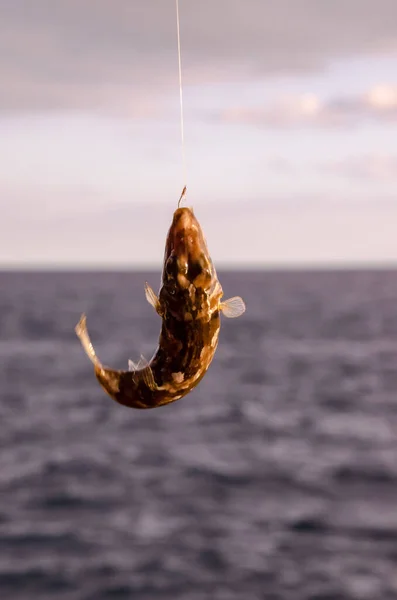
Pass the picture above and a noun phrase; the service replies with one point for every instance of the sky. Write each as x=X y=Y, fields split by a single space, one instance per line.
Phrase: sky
x=290 y=120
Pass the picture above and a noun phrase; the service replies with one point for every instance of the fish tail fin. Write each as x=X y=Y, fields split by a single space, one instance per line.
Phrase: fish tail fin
x=82 y=334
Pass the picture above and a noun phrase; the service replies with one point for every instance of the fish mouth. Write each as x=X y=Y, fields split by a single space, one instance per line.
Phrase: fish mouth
x=186 y=253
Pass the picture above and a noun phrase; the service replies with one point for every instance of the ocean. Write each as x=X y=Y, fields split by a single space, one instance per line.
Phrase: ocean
x=275 y=479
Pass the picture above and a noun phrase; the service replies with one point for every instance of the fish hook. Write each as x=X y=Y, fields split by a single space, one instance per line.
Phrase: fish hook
x=182 y=196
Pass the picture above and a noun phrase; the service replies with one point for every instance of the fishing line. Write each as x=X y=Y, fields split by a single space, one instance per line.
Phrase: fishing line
x=181 y=101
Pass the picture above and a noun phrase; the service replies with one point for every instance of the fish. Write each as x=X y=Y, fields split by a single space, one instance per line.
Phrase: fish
x=190 y=305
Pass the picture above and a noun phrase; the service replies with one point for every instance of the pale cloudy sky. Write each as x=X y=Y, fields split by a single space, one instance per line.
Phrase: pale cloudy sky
x=290 y=127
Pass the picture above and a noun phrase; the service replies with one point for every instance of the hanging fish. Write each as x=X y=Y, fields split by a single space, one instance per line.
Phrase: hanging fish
x=189 y=303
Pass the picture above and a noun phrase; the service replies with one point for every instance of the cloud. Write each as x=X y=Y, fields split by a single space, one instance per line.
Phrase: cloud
x=89 y=53
x=309 y=110
x=308 y=232
x=375 y=168
x=378 y=168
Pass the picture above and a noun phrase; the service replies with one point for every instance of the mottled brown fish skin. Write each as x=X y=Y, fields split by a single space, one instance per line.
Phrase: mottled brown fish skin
x=189 y=302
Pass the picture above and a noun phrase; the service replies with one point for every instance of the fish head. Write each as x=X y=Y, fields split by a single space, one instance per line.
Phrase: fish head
x=186 y=260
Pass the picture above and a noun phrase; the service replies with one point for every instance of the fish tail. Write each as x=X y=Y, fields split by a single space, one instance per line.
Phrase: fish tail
x=82 y=334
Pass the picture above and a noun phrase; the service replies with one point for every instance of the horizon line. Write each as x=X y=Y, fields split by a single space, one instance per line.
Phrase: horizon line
x=226 y=267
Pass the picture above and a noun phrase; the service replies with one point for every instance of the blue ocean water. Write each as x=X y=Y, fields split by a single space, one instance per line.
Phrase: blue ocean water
x=275 y=479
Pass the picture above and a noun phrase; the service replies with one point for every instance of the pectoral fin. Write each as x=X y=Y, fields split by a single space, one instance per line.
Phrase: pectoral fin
x=232 y=308
x=152 y=298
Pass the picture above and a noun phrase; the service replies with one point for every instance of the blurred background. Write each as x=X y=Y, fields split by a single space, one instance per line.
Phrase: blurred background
x=276 y=478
